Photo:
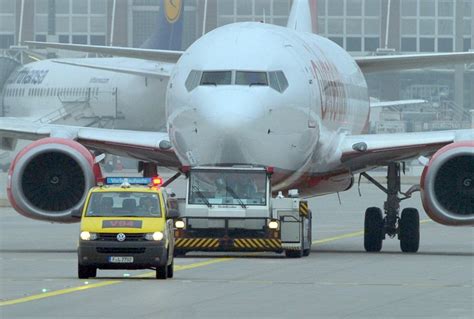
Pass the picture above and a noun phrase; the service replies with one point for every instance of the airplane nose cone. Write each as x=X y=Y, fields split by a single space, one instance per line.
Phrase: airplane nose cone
x=222 y=126
x=227 y=112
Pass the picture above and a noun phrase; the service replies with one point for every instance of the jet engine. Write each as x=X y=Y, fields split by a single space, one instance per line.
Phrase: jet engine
x=447 y=185
x=50 y=178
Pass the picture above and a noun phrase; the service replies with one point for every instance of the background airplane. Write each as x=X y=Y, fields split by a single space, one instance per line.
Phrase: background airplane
x=103 y=94
x=302 y=109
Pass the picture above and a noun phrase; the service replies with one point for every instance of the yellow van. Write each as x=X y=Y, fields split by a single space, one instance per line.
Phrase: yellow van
x=126 y=224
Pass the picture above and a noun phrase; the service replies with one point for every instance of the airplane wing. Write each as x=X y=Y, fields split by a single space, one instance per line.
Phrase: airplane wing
x=146 y=146
x=413 y=61
x=161 y=72
x=146 y=54
x=369 y=64
x=376 y=104
x=362 y=152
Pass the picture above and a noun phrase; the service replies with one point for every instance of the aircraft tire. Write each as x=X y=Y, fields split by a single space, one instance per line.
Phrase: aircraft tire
x=409 y=230
x=373 y=229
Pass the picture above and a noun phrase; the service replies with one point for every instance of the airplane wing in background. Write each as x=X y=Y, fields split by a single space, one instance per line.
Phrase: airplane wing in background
x=160 y=72
x=373 y=64
x=368 y=64
x=146 y=146
x=146 y=54
x=376 y=104
x=362 y=152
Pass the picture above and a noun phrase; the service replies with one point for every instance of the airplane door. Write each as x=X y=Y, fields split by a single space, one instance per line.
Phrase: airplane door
x=104 y=102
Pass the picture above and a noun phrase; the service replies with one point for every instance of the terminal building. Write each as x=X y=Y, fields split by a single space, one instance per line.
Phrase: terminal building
x=362 y=27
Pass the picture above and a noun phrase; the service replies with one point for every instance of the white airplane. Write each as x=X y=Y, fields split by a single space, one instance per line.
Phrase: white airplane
x=252 y=93
x=114 y=94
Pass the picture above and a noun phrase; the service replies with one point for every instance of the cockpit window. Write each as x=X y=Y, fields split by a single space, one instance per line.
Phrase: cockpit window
x=193 y=80
x=251 y=78
x=216 y=78
x=278 y=81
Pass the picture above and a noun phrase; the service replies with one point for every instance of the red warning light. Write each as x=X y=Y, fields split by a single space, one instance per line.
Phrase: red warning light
x=157 y=181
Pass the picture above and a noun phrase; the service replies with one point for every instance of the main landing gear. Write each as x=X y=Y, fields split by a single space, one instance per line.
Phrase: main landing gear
x=406 y=225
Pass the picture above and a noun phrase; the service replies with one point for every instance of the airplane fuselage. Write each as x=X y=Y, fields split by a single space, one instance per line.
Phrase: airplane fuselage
x=294 y=125
x=295 y=130
x=48 y=92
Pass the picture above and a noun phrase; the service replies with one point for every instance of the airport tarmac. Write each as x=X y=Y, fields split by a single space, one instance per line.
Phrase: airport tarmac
x=338 y=280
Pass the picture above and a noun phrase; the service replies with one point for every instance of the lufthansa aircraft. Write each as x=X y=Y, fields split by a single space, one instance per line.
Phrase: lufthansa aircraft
x=253 y=93
x=115 y=93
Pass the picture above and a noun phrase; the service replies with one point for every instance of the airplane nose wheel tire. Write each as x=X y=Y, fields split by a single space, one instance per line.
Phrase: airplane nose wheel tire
x=409 y=230
x=373 y=229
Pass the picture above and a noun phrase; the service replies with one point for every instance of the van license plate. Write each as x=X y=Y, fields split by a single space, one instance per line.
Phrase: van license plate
x=124 y=260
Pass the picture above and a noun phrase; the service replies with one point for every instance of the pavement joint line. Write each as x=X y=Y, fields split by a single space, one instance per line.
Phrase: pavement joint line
x=146 y=275
x=102 y=284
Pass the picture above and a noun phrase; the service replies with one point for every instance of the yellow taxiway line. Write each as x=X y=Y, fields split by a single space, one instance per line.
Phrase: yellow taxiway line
x=177 y=268
x=102 y=284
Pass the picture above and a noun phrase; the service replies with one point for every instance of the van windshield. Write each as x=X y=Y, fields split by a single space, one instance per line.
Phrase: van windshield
x=124 y=204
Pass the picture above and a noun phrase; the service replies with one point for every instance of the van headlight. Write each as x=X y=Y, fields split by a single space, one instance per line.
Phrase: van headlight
x=273 y=224
x=156 y=236
x=85 y=235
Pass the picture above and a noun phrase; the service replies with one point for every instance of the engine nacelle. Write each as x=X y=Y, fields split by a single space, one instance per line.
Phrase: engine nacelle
x=447 y=185
x=51 y=177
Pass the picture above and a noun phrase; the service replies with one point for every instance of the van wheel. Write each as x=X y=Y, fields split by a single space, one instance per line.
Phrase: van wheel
x=84 y=272
x=162 y=272
x=171 y=269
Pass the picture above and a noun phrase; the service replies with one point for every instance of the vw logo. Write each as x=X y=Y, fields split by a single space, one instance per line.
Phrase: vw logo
x=121 y=237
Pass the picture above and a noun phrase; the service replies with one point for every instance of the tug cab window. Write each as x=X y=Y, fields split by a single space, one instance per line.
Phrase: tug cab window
x=251 y=78
x=216 y=78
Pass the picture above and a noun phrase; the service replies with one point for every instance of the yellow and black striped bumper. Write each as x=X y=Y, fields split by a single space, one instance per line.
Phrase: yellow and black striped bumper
x=228 y=244
x=189 y=243
x=257 y=243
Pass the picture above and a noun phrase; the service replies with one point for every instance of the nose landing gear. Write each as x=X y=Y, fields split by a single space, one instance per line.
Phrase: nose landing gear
x=406 y=226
